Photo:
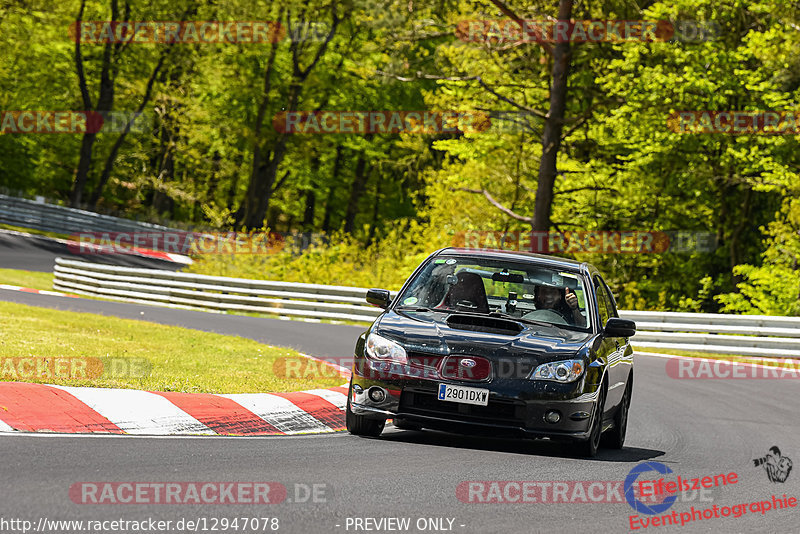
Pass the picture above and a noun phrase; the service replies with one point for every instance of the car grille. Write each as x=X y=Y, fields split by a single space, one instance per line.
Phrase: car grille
x=427 y=403
x=449 y=368
x=424 y=359
x=453 y=367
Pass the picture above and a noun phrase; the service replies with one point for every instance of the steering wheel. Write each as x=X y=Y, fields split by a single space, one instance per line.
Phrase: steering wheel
x=548 y=315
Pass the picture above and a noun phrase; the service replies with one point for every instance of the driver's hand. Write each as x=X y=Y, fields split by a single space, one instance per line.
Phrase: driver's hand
x=571 y=299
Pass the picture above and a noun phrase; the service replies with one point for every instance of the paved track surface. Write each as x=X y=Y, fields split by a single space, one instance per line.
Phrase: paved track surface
x=38 y=253
x=696 y=427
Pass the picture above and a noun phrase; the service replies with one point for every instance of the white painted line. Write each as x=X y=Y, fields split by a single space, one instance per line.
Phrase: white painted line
x=180 y=258
x=34 y=291
x=334 y=397
x=138 y=412
x=54 y=293
x=279 y=412
x=11 y=288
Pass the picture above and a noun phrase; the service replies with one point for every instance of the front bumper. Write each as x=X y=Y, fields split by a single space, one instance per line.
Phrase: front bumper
x=509 y=412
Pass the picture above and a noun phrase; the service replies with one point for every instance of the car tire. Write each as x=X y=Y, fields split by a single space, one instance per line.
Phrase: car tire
x=615 y=438
x=362 y=426
x=589 y=446
x=403 y=424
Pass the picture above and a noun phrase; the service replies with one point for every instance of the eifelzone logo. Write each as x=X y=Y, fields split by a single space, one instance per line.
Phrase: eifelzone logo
x=630 y=494
x=777 y=467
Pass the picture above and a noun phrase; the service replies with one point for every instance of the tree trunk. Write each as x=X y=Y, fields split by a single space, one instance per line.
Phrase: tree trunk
x=262 y=185
x=82 y=175
x=234 y=183
x=105 y=102
x=112 y=156
x=260 y=189
x=375 y=213
x=357 y=189
x=308 y=216
x=553 y=126
x=337 y=164
x=213 y=180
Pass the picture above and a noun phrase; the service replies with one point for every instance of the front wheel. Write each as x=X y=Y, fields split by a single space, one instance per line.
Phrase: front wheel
x=615 y=438
x=360 y=425
x=589 y=447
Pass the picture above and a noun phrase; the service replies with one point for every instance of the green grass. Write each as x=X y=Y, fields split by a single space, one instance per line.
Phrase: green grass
x=178 y=359
x=32 y=279
x=34 y=231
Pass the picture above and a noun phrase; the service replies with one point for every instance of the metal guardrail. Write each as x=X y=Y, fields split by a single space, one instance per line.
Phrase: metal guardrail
x=60 y=219
x=218 y=293
x=750 y=335
x=765 y=336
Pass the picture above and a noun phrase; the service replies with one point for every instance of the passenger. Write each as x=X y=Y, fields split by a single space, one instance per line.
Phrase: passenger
x=561 y=300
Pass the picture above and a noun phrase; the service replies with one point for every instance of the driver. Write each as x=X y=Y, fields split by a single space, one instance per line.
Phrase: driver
x=561 y=300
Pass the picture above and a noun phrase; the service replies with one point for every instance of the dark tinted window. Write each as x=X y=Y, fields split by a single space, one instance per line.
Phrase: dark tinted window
x=611 y=303
x=602 y=301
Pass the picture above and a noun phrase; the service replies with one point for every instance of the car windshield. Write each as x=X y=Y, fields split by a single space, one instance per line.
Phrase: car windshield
x=478 y=285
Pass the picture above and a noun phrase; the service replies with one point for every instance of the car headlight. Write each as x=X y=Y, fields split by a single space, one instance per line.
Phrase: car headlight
x=380 y=348
x=562 y=371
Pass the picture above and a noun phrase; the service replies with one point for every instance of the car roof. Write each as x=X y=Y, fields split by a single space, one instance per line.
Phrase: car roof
x=526 y=257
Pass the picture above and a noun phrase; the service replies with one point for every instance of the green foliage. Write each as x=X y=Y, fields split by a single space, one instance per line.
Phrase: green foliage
x=344 y=261
x=772 y=288
x=620 y=167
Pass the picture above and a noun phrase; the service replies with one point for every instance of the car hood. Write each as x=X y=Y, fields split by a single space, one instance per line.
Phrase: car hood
x=430 y=333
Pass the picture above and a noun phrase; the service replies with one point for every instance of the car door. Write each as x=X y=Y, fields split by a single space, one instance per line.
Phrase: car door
x=625 y=351
x=610 y=347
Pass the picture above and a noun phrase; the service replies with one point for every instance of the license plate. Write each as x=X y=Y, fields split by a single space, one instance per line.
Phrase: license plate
x=463 y=394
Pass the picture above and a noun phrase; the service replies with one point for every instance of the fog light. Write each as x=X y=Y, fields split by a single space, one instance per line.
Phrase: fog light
x=552 y=416
x=377 y=394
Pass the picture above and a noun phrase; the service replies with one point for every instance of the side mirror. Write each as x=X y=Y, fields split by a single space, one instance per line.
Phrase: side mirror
x=616 y=327
x=378 y=297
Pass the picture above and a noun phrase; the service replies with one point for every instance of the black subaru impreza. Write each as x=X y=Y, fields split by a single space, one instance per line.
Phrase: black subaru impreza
x=500 y=343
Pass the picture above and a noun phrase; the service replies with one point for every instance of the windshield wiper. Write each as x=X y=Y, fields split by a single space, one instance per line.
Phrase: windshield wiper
x=416 y=308
x=519 y=319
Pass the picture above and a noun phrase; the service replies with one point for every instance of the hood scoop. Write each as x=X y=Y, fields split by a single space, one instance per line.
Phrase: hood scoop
x=478 y=323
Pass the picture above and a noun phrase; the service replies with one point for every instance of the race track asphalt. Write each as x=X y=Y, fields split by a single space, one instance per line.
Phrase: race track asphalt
x=38 y=253
x=695 y=427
